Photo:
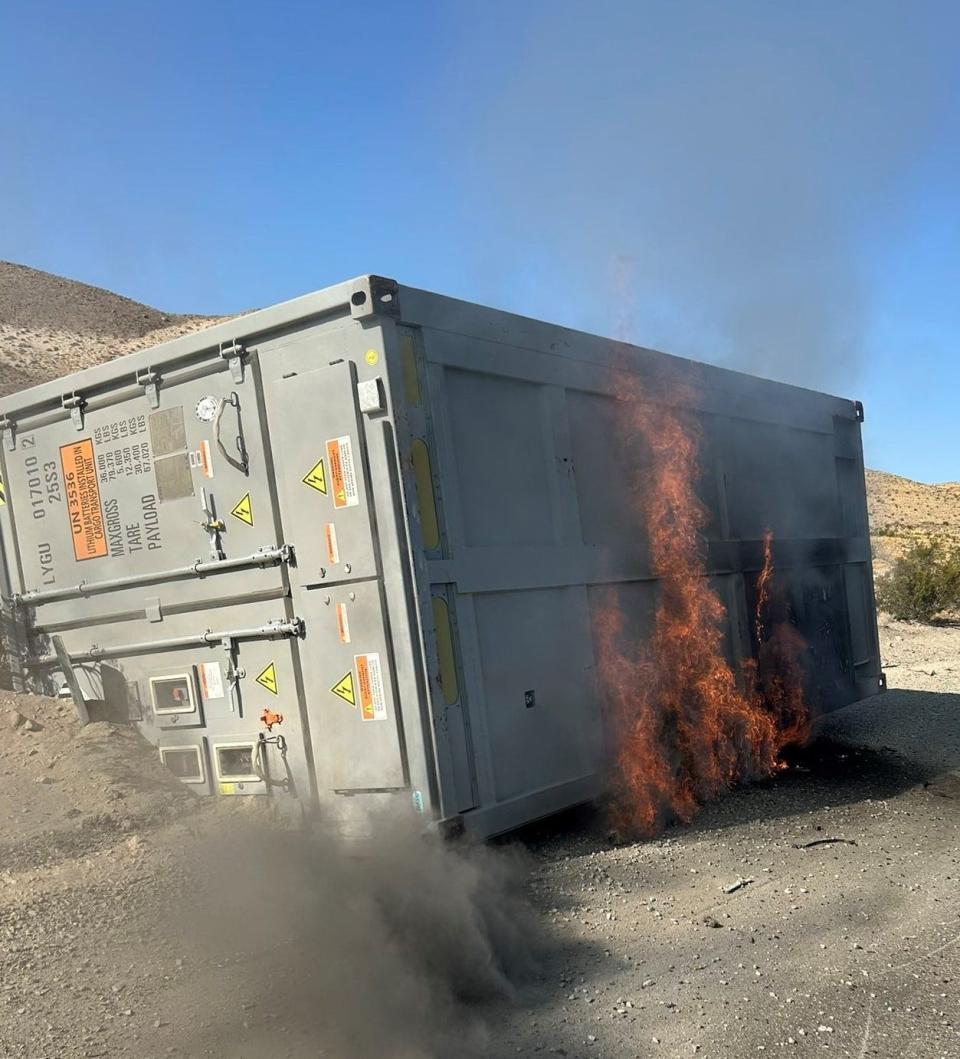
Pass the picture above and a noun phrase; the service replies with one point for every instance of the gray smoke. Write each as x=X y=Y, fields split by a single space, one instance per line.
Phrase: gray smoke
x=360 y=948
x=735 y=160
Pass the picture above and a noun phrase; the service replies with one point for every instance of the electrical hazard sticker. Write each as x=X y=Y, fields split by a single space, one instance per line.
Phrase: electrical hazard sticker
x=268 y=678
x=344 y=688
x=3 y=493
x=244 y=510
x=373 y=703
x=343 y=473
x=317 y=478
x=83 y=500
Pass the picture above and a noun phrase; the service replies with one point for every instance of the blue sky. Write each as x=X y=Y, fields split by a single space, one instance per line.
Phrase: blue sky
x=771 y=186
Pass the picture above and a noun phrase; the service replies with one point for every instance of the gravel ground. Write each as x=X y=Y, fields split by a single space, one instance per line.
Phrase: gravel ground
x=817 y=913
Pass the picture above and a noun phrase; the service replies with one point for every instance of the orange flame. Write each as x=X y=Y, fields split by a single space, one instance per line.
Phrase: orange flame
x=763 y=583
x=685 y=730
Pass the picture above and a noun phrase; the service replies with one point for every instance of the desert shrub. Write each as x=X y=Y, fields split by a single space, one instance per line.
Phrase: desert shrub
x=923 y=583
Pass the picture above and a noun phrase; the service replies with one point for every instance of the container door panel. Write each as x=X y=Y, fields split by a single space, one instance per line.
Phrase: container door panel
x=123 y=495
x=351 y=691
x=319 y=453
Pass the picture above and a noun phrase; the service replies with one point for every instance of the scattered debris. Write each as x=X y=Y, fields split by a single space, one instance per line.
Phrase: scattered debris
x=738 y=885
x=824 y=842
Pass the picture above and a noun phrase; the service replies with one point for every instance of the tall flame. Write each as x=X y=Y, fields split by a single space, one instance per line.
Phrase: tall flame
x=685 y=728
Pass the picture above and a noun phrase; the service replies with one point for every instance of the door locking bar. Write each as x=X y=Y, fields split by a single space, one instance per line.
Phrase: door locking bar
x=235 y=673
x=267 y=556
x=212 y=525
x=273 y=630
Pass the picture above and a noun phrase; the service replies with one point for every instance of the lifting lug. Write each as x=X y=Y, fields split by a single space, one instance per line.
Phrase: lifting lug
x=150 y=381
x=75 y=404
x=233 y=353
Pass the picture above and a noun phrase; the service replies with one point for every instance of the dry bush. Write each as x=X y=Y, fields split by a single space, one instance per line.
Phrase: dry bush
x=924 y=582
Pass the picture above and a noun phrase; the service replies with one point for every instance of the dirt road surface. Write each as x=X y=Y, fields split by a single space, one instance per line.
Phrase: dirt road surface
x=815 y=914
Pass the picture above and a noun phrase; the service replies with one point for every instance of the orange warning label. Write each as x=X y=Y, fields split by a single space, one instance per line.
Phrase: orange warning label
x=343 y=623
x=333 y=549
x=343 y=474
x=83 y=500
x=372 y=702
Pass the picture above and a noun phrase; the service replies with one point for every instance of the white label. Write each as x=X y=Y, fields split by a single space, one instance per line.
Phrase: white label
x=201 y=459
x=371 y=696
x=211 y=680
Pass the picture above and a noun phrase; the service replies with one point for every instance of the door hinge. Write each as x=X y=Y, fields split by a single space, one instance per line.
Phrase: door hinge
x=75 y=404
x=8 y=427
x=233 y=353
x=150 y=381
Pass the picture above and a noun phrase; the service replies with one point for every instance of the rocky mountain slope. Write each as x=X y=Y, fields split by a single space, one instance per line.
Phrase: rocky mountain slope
x=51 y=326
x=903 y=511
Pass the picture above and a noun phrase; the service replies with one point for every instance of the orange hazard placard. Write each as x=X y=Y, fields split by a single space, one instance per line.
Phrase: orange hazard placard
x=372 y=702
x=83 y=500
x=343 y=473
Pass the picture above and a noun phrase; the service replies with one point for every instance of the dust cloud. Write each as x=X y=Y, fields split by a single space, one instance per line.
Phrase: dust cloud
x=385 y=945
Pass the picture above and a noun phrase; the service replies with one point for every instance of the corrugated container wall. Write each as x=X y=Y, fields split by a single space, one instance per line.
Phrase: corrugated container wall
x=384 y=515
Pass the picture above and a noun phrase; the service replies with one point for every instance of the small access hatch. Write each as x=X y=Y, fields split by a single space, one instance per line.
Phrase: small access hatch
x=185 y=762
x=173 y=694
x=235 y=762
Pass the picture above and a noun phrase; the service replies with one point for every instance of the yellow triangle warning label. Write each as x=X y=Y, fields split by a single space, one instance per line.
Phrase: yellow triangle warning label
x=317 y=478
x=344 y=688
x=268 y=679
x=244 y=511
x=3 y=493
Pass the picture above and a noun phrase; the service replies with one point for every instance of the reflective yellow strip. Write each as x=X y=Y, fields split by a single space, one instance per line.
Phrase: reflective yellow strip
x=408 y=360
x=423 y=479
x=448 y=668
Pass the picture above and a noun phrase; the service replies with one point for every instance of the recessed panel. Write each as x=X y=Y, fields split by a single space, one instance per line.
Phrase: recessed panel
x=175 y=693
x=542 y=713
x=185 y=762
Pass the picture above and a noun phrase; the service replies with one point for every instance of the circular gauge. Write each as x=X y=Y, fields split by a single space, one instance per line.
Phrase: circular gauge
x=207 y=409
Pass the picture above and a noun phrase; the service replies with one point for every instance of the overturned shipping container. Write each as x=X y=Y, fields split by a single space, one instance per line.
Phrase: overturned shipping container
x=349 y=549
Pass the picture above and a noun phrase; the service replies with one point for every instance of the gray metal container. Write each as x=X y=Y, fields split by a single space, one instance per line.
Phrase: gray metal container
x=385 y=514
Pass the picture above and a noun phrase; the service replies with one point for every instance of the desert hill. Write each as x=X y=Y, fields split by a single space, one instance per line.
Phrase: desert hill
x=903 y=511
x=51 y=326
